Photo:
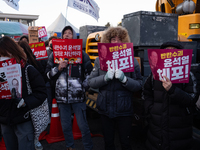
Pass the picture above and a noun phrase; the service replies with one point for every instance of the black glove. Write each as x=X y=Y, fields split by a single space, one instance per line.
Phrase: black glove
x=18 y=101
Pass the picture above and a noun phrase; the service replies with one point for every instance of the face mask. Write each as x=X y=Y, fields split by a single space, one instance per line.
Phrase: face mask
x=51 y=46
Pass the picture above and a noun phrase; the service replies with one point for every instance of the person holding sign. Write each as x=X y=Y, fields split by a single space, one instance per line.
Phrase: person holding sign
x=114 y=101
x=169 y=109
x=70 y=86
x=16 y=124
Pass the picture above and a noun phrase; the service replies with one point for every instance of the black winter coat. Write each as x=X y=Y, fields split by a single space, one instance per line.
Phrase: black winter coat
x=170 y=114
x=9 y=113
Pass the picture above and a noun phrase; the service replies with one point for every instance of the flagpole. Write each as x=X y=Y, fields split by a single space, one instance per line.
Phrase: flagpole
x=66 y=13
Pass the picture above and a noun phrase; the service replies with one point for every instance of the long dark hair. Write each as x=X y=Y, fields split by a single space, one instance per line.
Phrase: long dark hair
x=8 y=48
x=30 y=57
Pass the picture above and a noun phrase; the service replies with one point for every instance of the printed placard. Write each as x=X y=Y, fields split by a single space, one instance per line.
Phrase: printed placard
x=8 y=62
x=173 y=63
x=5 y=92
x=39 y=50
x=67 y=49
x=42 y=32
x=33 y=34
x=116 y=56
x=13 y=75
x=10 y=77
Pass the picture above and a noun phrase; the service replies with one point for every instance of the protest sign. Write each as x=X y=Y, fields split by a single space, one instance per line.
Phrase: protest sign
x=13 y=75
x=116 y=56
x=67 y=49
x=39 y=50
x=5 y=92
x=42 y=32
x=33 y=34
x=7 y=62
x=173 y=63
x=10 y=77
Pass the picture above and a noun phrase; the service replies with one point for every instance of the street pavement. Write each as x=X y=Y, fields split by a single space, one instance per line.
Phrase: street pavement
x=138 y=137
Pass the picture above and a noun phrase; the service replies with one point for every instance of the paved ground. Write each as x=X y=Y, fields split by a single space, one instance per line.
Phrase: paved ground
x=137 y=139
x=94 y=122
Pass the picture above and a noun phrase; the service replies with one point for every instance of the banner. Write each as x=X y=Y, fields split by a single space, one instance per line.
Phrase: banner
x=173 y=63
x=67 y=49
x=89 y=7
x=39 y=50
x=116 y=56
x=42 y=32
x=12 y=3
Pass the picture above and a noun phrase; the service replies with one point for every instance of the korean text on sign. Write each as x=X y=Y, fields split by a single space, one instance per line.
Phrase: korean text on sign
x=116 y=56
x=67 y=49
x=42 y=32
x=173 y=63
x=39 y=50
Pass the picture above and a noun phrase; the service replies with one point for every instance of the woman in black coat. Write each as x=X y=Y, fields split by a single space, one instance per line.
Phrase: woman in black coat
x=16 y=124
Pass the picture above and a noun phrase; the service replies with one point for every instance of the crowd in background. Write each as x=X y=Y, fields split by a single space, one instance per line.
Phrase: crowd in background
x=168 y=107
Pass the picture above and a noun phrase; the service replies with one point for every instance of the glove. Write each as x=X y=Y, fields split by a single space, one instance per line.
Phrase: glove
x=120 y=75
x=18 y=101
x=109 y=75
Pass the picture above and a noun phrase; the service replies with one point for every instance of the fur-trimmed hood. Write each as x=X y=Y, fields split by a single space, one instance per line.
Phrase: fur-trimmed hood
x=111 y=32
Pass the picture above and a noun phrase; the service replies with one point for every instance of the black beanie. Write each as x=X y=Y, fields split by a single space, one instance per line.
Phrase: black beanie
x=66 y=28
x=175 y=44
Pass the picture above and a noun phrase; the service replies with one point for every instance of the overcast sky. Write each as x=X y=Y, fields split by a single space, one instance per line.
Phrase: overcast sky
x=48 y=10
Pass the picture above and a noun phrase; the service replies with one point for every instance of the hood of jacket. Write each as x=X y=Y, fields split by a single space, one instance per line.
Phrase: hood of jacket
x=111 y=32
x=175 y=44
x=73 y=31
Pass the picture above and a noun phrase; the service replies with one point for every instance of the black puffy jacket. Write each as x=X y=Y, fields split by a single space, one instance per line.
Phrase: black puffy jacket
x=170 y=114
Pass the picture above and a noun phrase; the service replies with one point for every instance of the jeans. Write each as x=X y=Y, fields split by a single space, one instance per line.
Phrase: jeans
x=19 y=137
x=65 y=115
x=123 y=124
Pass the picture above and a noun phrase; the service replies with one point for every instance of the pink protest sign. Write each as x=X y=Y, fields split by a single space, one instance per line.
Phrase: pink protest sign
x=116 y=56
x=42 y=32
x=67 y=49
x=173 y=63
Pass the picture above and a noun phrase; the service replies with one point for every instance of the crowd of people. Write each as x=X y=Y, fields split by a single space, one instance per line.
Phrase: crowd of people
x=168 y=107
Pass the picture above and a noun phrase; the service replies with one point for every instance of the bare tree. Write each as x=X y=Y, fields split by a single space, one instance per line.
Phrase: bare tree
x=108 y=24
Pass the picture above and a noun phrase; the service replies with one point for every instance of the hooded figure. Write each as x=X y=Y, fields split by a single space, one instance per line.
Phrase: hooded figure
x=70 y=86
x=114 y=101
x=72 y=30
x=169 y=108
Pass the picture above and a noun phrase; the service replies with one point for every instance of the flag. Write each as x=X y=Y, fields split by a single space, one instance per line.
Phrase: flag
x=12 y=3
x=89 y=7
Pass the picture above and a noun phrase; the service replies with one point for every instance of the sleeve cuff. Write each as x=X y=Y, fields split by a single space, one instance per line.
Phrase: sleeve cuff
x=171 y=90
